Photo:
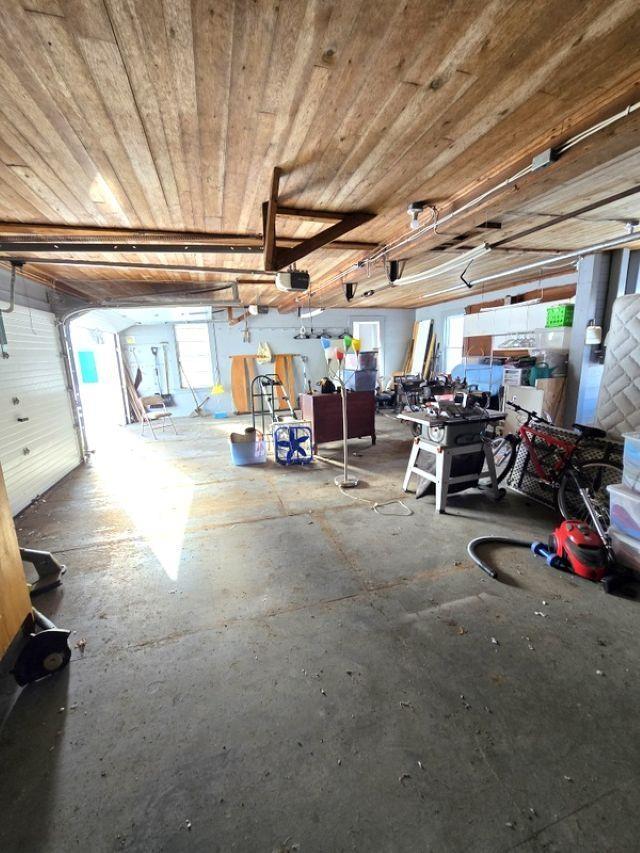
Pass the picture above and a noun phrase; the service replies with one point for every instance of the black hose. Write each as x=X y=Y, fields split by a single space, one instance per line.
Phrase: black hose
x=483 y=540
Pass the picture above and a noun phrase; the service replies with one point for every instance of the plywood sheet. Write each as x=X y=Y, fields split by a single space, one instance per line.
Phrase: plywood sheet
x=239 y=390
x=285 y=371
x=554 y=396
x=420 y=346
x=15 y=604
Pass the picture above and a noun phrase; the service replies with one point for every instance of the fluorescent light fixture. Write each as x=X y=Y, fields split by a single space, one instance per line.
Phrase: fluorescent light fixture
x=633 y=237
x=454 y=263
x=307 y=315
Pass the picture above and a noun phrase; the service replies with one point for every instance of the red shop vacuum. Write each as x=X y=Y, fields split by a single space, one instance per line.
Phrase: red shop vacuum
x=573 y=547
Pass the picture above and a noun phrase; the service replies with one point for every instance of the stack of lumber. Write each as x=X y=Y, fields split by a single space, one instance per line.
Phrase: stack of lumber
x=422 y=351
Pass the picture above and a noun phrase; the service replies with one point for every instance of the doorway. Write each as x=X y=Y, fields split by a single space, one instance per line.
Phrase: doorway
x=369 y=333
x=98 y=368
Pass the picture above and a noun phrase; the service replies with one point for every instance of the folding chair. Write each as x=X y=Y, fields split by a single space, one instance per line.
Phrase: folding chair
x=149 y=417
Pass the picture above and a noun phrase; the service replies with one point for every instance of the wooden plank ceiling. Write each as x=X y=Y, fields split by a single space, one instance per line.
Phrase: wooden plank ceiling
x=127 y=119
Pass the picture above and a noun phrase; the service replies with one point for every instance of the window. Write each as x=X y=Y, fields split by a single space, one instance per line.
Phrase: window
x=453 y=336
x=194 y=355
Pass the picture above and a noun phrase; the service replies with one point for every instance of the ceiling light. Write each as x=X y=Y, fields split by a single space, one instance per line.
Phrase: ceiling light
x=414 y=210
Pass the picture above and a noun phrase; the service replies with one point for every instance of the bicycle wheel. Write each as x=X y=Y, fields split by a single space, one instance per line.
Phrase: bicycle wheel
x=596 y=476
x=504 y=449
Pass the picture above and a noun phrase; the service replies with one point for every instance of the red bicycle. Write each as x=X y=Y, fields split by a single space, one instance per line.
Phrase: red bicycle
x=551 y=458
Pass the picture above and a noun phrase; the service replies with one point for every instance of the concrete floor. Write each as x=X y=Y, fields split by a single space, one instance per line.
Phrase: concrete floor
x=271 y=666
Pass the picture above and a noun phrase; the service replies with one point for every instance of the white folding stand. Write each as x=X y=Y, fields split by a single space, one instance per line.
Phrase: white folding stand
x=443 y=458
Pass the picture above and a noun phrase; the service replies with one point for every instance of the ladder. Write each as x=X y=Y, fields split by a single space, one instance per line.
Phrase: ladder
x=264 y=388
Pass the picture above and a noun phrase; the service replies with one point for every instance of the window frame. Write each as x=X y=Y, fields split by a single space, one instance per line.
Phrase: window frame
x=185 y=378
x=448 y=347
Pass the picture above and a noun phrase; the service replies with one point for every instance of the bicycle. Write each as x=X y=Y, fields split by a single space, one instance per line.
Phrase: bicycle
x=580 y=490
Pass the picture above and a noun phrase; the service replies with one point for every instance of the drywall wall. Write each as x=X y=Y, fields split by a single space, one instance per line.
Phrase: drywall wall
x=278 y=330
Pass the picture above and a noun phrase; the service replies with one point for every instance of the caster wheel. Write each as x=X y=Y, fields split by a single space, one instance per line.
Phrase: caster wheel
x=43 y=654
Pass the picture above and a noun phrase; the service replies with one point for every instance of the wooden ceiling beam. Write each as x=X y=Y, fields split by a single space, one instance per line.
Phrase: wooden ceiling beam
x=349 y=221
x=62 y=230
x=306 y=213
x=275 y=257
x=128 y=248
x=338 y=245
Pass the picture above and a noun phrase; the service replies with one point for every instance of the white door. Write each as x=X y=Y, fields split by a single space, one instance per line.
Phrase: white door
x=38 y=439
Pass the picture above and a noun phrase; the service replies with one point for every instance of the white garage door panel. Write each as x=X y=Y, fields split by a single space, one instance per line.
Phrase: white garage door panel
x=34 y=374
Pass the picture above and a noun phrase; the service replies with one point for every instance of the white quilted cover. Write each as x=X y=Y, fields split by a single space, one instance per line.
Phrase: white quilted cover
x=618 y=408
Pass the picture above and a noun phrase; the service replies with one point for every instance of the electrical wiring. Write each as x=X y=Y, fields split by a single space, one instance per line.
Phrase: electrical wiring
x=375 y=505
x=432 y=225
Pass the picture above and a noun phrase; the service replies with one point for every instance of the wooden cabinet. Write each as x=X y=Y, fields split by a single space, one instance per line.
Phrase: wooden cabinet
x=15 y=604
x=324 y=411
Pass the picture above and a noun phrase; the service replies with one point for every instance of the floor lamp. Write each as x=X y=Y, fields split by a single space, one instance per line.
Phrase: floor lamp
x=344 y=481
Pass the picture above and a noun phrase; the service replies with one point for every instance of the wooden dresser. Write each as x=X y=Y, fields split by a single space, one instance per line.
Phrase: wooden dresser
x=324 y=411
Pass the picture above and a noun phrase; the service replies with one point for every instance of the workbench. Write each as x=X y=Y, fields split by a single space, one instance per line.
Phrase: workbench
x=477 y=453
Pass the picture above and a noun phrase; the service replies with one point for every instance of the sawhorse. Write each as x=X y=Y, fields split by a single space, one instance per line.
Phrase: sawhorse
x=442 y=476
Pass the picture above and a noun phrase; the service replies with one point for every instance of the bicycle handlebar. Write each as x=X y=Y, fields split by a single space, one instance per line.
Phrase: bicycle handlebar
x=517 y=408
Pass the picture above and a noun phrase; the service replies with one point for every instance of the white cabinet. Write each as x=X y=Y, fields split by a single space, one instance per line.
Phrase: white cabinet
x=498 y=321
x=511 y=319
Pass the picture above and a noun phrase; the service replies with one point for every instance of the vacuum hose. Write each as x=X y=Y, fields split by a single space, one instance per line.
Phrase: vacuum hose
x=485 y=540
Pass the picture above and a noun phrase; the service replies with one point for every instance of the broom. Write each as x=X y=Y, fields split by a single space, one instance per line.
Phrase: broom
x=218 y=387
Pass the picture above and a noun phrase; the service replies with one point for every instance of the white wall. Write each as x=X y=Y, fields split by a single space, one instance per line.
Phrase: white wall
x=278 y=331
x=439 y=313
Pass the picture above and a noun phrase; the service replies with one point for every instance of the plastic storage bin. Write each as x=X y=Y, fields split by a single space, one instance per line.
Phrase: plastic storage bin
x=368 y=360
x=626 y=549
x=243 y=452
x=631 y=461
x=559 y=315
x=361 y=380
x=624 y=505
x=548 y=339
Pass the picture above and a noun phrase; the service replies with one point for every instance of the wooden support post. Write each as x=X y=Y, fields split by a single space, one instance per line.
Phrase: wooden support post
x=233 y=321
x=269 y=221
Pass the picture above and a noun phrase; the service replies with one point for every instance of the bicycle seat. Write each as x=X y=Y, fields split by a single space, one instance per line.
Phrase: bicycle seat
x=590 y=432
